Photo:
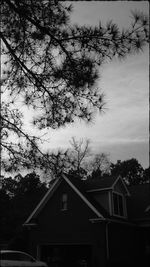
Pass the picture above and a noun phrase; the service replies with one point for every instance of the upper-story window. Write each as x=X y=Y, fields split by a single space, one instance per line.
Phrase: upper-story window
x=118 y=205
x=64 y=202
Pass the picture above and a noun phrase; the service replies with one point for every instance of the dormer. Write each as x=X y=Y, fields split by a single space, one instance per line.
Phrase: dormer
x=111 y=193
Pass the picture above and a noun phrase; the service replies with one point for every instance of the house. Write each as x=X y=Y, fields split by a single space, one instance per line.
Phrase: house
x=86 y=223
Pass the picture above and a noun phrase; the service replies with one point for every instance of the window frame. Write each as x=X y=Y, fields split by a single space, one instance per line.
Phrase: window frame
x=124 y=211
x=64 y=202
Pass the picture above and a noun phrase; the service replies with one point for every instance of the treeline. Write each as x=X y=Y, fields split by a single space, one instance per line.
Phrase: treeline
x=80 y=160
x=130 y=171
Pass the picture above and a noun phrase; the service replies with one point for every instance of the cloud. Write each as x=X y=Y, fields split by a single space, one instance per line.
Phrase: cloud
x=125 y=149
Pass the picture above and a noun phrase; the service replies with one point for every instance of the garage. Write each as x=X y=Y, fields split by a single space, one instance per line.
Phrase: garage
x=74 y=255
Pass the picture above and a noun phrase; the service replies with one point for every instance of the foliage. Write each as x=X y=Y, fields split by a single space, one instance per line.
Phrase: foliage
x=101 y=163
x=73 y=160
x=79 y=160
x=146 y=175
x=4 y=211
x=81 y=173
x=18 y=147
x=130 y=170
x=52 y=67
x=96 y=174
x=19 y=196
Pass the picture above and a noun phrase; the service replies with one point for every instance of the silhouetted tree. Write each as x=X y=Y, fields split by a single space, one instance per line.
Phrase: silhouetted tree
x=96 y=174
x=78 y=155
x=100 y=165
x=60 y=163
x=18 y=197
x=81 y=173
x=5 y=227
x=9 y=185
x=146 y=175
x=52 y=66
x=79 y=161
x=130 y=170
x=28 y=193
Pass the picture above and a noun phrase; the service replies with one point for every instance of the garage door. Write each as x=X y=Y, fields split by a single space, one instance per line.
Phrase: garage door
x=78 y=255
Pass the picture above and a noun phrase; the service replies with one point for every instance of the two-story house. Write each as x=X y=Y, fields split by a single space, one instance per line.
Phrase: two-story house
x=85 y=223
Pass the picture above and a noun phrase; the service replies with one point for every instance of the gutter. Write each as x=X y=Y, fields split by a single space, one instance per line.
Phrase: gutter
x=29 y=225
x=96 y=220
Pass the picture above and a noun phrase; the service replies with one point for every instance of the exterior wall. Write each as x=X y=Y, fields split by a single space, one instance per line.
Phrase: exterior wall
x=124 y=245
x=70 y=227
x=102 y=197
x=144 y=235
x=119 y=187
x=106 y=200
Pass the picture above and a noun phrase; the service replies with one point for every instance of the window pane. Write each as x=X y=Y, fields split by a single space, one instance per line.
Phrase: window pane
x=118 y=204
x=115 y=200
x=120 y=200
x=64 y=201
x=64 y=197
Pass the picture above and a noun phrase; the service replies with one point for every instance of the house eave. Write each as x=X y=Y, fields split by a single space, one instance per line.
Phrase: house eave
x=99 y=215
x=29 y=224
x=109 y=220
x=100 y=189
x=126 y=189
x=42 y=202
x=142 y=222
x=111 y=187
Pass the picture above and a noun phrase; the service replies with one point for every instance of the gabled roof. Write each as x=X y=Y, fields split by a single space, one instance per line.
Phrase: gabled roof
x=107 y=183
x=78 y=187
x=139 y=202
x=44 y=200
x=100 y=183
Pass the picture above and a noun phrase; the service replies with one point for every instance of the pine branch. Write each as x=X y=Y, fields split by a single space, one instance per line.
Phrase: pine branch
x=23 y=65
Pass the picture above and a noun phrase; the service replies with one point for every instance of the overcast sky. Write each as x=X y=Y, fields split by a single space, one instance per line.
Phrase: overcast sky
x=123 y=131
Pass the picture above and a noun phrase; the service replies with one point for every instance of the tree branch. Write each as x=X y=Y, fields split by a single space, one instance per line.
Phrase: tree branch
x=23 y=65
x=43 y=29
x=26 y=136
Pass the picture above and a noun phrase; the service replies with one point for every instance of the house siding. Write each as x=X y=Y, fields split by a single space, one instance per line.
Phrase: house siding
x=103 y=199
x=124 y=244
x=77 y=230
x=118 y=187
x=57 y=227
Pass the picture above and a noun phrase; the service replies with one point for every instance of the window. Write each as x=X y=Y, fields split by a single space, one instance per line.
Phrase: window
x=64 y=202
x=118 y=205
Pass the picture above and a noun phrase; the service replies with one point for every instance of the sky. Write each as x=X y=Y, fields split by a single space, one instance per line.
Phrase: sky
x=123 y=130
